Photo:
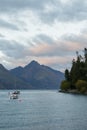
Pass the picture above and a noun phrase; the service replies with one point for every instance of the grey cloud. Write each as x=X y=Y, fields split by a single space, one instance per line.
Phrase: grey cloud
x=42 y=38
x=1 y=36
x=81 y=39
x=8 y=5
x=8 y=25
x=71 y=11
x=12 y=49
x=74 y=10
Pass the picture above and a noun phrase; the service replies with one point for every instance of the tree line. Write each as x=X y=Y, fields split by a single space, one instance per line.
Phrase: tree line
x=76 y=77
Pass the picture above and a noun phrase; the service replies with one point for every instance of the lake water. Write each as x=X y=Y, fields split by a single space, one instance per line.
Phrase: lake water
x=43 y=110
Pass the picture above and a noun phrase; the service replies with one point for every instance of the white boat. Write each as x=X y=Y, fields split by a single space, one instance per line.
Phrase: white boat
x=16 y=92
x=14 y=95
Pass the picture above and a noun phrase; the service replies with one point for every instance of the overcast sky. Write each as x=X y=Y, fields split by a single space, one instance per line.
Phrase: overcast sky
x=48 y=31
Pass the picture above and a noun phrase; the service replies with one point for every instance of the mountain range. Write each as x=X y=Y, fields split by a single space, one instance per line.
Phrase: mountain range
x=32 y=76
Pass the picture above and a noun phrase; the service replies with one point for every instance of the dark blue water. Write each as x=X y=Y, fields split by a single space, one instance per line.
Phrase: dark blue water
x=43 y=110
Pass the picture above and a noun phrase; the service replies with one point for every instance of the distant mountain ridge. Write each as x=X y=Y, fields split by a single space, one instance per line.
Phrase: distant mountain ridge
x=32 y=76
x=8 y=80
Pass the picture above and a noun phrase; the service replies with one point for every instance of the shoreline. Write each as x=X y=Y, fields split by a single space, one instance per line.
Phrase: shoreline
x=74 y=91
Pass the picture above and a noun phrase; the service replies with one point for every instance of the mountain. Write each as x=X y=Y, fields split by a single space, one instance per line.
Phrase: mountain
x=10 y=81
x=38 y=76
x=32 y=76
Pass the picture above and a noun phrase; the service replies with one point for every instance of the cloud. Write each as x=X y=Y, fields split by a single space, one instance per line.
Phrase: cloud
x=44 y=49
x=8 y=25
x=12 y=49
x=75 y=10
x=75 y=42
x=1 y=36
x=43 y=38
x=48 y=11
x=9 y=5
x=67 y=45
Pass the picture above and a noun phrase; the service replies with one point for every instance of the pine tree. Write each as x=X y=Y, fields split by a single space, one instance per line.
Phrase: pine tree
x=67 y=75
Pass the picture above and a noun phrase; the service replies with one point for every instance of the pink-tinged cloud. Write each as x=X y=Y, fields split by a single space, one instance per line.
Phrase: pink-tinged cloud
x=71 y=46
x=54 y=60
x=58 y=48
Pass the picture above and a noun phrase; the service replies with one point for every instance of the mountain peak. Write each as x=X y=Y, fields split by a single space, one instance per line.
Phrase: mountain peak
x=32 y=63
x=2 y=67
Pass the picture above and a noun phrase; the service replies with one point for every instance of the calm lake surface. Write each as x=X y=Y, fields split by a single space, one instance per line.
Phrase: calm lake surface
x=43 y=110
